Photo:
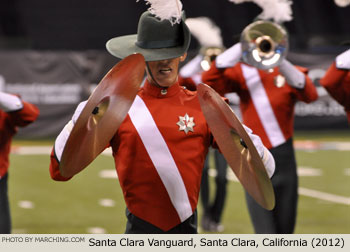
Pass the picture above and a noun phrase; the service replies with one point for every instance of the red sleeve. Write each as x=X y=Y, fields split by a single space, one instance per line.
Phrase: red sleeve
x=337 y=83
x=333 y=78
x=216 y=79
x=54 y=168
x=308 y=93
x=24 y=116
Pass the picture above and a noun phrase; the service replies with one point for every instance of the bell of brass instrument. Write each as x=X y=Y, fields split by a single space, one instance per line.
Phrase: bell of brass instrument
x=209 y=55
x=264 y=44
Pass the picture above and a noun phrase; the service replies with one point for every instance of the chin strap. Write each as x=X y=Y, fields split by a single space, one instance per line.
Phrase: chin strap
x=154 y=80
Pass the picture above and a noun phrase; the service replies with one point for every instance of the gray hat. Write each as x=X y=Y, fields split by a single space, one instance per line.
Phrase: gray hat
x=155 y=40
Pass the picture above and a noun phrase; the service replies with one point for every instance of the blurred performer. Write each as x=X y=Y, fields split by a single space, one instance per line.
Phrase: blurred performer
x=337 y=81
x=209 y=37
x=160 y=147
x=14 y=113
x=337 y=78
x=267 y=99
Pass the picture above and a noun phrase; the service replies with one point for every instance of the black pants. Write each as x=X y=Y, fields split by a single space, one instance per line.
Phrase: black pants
x=136 y=225
x=5 y=218
x=280 y=220
x=214 y=210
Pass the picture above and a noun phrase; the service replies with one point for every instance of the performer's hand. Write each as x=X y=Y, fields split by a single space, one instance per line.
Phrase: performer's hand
x=342 y=61
x=229 y=57
x=294 y=77
x=9 y=102
x=264 y=153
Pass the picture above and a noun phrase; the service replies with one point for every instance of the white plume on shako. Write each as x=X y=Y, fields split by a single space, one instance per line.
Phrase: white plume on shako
x=166 y=9
x=342 y=3
x=205 y=31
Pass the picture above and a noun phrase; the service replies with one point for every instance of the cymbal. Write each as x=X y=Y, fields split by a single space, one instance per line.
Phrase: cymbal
x=105 y=110
x=236 y=146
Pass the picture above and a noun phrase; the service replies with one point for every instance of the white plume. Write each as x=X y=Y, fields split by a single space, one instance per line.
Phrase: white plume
x=205 y=31
x=342 y=3
x=166 y=9
x=278 y=10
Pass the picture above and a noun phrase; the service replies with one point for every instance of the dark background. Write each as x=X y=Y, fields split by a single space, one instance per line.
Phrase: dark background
x=88 y=24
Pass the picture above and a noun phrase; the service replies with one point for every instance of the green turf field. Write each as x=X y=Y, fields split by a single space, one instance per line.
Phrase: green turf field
x=41 y=205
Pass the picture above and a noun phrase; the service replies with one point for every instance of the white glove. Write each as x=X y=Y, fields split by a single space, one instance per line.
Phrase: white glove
x=342 y=61
x=264 y=153
x=10 y=102
x=192 y=67
x=229 y=57
x=294 y=77
x=77 y=111
x=62 y=138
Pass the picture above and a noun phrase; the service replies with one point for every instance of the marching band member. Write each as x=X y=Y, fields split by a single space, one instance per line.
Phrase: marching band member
x=160 y=147
x=14 y=113
x=337 y=80
x=267 y=99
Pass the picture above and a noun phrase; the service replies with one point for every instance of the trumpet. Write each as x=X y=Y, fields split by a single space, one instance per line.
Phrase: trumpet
x=264 y=44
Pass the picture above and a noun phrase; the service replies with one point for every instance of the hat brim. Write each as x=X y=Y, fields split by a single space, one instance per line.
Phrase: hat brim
x=123 y=46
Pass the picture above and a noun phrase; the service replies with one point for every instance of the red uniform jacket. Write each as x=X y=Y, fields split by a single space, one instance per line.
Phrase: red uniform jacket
x=188 y=82
x=9 y=121
x=267 y=109
x=159 y=155
x=337 y=83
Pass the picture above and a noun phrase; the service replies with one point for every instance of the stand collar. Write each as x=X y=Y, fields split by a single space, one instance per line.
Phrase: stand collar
x=160 y=92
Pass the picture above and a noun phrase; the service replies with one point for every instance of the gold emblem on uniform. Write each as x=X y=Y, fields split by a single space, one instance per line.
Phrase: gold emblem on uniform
x=186 y=123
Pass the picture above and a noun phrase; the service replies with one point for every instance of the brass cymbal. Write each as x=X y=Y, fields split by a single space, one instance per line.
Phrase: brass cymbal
x=242 y=156
x=105 y=110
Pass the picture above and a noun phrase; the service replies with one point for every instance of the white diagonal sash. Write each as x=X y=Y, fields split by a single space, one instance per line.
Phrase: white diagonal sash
x=262 y=105
x=161 y=157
